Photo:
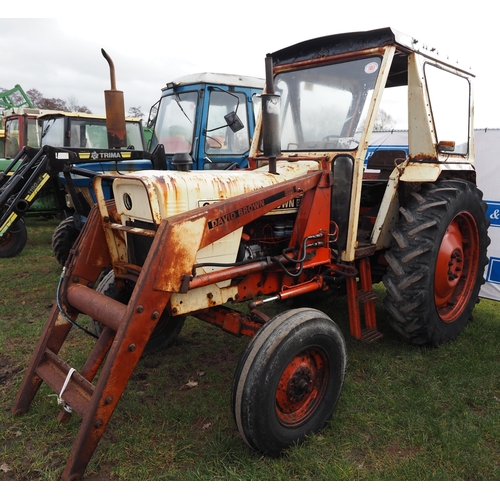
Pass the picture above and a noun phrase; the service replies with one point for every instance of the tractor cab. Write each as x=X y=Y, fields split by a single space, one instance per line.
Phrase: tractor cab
x=208 y=116
x=83 y=130
x=20 y=128
x=333 y=91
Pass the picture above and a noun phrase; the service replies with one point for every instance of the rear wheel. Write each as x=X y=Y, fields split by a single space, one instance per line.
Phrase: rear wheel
x=14 y=240
x=167 y=328
x=289 y=379
x=436 y=262
x=63 y=239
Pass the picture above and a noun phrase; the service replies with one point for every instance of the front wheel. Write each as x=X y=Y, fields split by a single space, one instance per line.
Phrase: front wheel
x=436 y=262
x=166 y=330
x=14 y=240
x=63 y=239
x=289 y=380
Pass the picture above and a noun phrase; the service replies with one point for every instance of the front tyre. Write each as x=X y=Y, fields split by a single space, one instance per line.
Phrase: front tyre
x=63 y=239
x=289 y=380
x=436 y=262
x=167 y=329
x=14 y=240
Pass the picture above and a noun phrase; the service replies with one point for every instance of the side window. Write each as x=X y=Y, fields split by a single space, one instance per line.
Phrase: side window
x=12 y=145
x=134 y=135
x=449 y=96
x=220 y=139
x=33 y=133
x=92 y=135
x=257 y=106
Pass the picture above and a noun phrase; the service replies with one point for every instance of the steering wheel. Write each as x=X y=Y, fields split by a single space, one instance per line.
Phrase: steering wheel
x=329 y=138
x=211 y=146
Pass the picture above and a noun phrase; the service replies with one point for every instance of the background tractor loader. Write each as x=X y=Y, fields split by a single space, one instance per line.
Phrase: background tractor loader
x=28 y=185
x=306 y=216
x=209 y=117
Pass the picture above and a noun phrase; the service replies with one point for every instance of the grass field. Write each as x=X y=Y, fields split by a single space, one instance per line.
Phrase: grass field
x=405 y=413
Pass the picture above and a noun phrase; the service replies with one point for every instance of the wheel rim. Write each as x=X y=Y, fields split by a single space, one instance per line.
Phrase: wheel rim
x=6 y=239
x=456 y=267
x=302 y=387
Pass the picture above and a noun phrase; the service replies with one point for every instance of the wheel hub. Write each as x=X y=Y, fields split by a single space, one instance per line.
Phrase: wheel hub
x=456 y=267
x=301 y=387
x=449 y=265
x=300 y=384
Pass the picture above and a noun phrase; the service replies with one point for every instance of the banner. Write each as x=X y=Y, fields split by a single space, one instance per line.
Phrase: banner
x=488 y=181
x=487 y=164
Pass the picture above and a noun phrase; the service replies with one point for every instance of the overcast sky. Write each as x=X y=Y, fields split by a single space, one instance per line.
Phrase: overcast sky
x=151 y=43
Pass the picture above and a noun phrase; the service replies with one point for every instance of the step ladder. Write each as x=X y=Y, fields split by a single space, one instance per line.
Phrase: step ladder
x=115 y=353
x=360 y=292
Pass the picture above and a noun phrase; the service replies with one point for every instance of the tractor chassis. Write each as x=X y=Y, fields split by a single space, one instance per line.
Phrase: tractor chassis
x=127 y=328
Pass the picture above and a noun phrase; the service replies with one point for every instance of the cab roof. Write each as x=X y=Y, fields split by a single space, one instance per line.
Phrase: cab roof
x=83 y=116
x=218 y=79
x=343 y=43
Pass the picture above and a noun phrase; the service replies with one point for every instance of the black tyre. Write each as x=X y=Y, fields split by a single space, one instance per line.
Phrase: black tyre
x=288 y=381
x=14 y=240
x=436 y=263
x=167 y=329
x=63 y=239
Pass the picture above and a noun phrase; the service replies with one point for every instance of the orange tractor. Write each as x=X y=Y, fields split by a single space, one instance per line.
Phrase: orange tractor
x=307 y=216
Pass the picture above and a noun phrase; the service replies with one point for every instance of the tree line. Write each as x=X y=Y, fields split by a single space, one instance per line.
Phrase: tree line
x=39 y=101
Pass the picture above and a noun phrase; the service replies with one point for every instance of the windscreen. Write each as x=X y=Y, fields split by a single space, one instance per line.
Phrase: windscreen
x=86 y=133
x=175 y=122
x=53 y=132
x=325 y=107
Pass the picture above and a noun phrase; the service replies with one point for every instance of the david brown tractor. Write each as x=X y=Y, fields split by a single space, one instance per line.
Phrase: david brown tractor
x=306 y=216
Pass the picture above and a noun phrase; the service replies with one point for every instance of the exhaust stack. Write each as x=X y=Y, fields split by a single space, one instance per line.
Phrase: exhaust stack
x=115 y=111
x=271 y=118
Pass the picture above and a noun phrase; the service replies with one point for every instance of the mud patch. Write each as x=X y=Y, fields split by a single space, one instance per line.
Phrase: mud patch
x=8 y=371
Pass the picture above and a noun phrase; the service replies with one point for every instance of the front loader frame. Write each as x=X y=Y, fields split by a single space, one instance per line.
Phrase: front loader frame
x=163 y=273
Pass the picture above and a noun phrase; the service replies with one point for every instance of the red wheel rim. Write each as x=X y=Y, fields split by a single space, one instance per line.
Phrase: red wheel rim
x=302 y=387
x=5 y=239
x=456 y=267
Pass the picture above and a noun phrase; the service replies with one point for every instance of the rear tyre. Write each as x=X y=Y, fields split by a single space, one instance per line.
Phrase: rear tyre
x=288 y=381
x=63 y=239
x=167 y=328
x=14 y=240
x=436 y=262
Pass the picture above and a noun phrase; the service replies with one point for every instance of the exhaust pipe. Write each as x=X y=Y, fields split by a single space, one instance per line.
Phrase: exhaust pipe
x=271 y=118
x=115 y=111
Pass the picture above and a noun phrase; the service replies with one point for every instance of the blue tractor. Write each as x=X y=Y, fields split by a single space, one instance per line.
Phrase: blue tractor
x=203 y=121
